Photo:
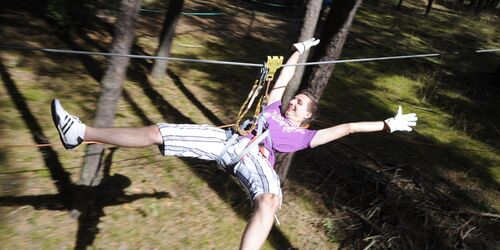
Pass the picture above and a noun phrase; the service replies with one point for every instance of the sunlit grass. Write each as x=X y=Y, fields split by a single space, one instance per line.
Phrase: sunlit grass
x=370 y=91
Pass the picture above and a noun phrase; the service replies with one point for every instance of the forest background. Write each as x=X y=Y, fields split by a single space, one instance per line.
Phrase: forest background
x=437 y=187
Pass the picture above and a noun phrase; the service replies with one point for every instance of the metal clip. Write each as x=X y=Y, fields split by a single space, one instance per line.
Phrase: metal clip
x=273 y=63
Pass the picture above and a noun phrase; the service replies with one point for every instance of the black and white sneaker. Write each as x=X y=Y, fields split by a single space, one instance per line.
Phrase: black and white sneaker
x=70 y=128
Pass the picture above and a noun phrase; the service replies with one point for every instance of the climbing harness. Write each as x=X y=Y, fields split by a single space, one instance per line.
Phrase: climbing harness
x=240 y=128
x=257 y=121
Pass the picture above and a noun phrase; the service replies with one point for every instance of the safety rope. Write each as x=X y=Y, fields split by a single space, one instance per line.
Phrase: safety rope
x=267 y=72
x=247 y=104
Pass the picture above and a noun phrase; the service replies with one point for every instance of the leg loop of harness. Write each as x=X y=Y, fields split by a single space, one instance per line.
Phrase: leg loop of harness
x=256 y=141
x=250 y=146
x=231 y=139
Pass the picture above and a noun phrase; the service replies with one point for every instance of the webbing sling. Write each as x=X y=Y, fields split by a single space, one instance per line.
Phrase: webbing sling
x=258 y=139
x=266 y=76
x=252 y=145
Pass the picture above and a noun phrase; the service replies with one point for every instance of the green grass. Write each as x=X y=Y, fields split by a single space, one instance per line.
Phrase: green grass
x=453 y=152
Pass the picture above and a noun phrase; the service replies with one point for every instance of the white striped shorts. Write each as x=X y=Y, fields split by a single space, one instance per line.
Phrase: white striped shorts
x=206 y=142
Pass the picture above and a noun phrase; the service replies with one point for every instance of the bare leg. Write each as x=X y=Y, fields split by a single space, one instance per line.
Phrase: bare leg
x=260 y=223
x=125 y=137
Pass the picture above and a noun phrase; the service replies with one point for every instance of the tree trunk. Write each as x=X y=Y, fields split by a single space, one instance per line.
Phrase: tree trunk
x=333 y=37
x=282 y=165
x=112 y=84
x=166 y=37
x=399 y=4
x=429 y=7
x=310 y=21
x=332 y=41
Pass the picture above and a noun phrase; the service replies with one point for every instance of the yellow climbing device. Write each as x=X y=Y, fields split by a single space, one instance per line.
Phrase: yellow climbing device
x=273 y=63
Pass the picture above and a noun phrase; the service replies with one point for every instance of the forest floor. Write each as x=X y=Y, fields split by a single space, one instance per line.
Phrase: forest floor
x=436 y=187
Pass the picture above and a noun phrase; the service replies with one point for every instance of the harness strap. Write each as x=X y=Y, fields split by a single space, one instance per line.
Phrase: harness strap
x=254 y=93
x=260 y=122
x=250 y=146
x=229 y=142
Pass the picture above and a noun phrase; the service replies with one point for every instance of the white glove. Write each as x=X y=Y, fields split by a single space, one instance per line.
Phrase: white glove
x=401 y=122
x=305 y=45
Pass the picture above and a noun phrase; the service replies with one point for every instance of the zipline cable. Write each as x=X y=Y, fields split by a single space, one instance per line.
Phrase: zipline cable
x=391 y=57
x=362 y=60
x=79 y=52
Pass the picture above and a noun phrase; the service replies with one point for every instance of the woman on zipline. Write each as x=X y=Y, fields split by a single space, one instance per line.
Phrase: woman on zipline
x=255 y=168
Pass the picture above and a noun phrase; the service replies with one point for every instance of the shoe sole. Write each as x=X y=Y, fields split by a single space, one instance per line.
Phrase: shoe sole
x=55 y=119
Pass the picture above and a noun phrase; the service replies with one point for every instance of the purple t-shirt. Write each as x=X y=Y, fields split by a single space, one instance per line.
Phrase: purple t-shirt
x=286 y=137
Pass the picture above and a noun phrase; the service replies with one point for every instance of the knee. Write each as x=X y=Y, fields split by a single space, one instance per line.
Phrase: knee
x=267 y=204
x=154 y=134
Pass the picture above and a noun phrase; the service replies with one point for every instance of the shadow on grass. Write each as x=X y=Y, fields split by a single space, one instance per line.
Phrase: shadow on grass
x=50 y=157
x=396 y=204
x=77 y=30
x=109 y=192
x=461 y=74
x=206 y=112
